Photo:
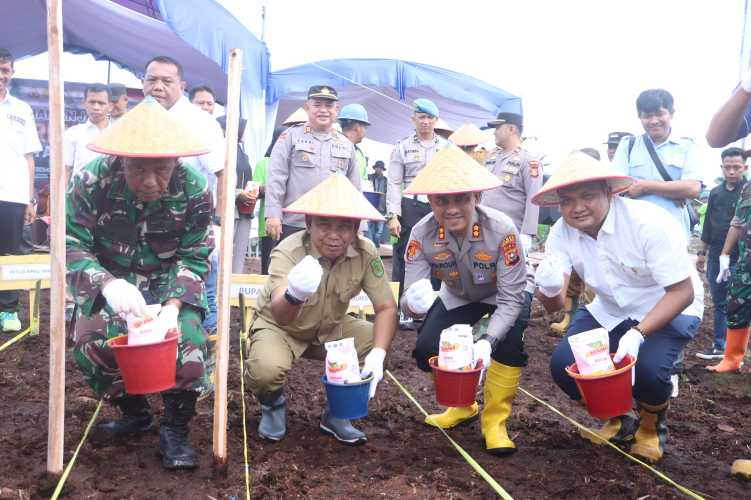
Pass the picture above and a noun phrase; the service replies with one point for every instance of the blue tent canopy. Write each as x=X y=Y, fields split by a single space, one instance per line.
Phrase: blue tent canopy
x=387 y=87
x=190 y=33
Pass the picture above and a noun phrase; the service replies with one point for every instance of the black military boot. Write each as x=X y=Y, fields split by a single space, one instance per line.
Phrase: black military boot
x=137 y=418
x=179 y=408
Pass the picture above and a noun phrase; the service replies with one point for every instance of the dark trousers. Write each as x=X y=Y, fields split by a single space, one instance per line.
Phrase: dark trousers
x=510 y=351
x=267 y=244
x=412 y=212
x=11 y=236
x=653 y=366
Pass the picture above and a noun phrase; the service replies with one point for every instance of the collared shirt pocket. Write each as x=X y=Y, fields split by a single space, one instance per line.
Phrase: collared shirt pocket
x=304 y=154
x=340 y=156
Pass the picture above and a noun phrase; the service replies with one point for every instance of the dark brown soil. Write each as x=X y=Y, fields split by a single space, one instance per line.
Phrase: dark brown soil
x=709 y=428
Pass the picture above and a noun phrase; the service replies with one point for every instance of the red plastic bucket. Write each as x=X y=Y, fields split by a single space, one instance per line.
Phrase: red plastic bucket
x=146 y=368
x=455 y=388
x=607 y=395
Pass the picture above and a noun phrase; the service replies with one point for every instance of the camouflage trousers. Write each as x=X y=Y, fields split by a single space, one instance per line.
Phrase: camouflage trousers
x=739 y=299
x=97 y=362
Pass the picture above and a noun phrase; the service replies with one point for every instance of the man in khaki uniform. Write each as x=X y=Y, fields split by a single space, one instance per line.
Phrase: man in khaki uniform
x=520 y=173
x=475 y=252
x=313 y=274
x=303 y=156
x=410 y=155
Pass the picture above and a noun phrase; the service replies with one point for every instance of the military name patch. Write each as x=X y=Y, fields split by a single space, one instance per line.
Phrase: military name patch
x=377 y=267
x=413 y=250
x=510 y=250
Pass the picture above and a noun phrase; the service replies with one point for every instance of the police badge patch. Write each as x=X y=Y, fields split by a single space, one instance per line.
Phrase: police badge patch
x=534 y=168
x=413 y=249
x=509 y=250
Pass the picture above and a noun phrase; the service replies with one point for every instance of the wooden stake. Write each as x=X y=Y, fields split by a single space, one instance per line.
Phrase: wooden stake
x=227 y=211
x=56 y=421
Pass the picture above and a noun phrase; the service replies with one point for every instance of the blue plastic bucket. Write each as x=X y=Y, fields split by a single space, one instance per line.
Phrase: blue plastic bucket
x=348 y=400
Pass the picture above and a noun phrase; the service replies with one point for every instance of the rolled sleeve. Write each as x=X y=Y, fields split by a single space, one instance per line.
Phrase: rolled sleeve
x=531 y=211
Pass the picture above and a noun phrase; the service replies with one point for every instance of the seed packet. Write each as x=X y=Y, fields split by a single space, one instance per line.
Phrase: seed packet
x=341 y=362
x=145 y=330
x=455 y=348
x=592 y=351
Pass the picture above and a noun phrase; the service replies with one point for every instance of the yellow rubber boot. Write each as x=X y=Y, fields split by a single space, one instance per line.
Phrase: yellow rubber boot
x=453 y=416
x=741 y=468
x=735 y=350
x=649 y=440
x=501 y=383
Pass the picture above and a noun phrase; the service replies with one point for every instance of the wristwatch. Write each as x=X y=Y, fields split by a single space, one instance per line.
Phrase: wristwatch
x=701 y=253
x=292 y=300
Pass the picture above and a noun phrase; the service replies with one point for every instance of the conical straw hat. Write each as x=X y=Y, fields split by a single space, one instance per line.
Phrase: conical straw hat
x=335 y=197
x=299 y=116
x=451 y=171
x=442 y=125
x=148 y=131
x=468 y=135
x=579 y=168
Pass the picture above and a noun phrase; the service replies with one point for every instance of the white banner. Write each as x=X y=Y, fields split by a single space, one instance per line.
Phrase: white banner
x=23 y=272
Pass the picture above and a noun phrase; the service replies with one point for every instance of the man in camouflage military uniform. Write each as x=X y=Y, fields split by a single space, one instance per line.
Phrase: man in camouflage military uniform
x=303 y=156
x=475 y=251
x=312 y=277
x=137 y=233
x=739 y=296
x=410 y=155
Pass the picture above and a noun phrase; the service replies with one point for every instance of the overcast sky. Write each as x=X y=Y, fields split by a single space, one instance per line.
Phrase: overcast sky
x=578 y=65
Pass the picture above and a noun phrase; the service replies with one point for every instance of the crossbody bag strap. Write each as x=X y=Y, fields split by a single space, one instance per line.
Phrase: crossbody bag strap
x=656 y=159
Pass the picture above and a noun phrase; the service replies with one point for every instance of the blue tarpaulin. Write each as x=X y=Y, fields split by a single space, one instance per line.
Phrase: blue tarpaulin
x=387 y=87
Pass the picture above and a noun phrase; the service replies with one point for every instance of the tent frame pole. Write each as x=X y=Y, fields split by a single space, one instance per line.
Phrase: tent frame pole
x=226 y=210
x=56 y=421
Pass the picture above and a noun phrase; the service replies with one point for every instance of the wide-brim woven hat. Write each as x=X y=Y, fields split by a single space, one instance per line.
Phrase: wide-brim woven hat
x=452 y=171
x=149 y=131
x=299 y=116
x=468 y=135
x=442 y=125
x=335 y=197
x=579 y=168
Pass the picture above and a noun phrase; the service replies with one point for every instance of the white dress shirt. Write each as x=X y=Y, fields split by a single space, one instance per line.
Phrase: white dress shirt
x=640 y=250
x=208 y=129
x=18 y=137
x=75 y=141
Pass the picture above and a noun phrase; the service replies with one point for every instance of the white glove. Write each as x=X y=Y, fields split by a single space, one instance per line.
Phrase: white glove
x=549 y=276
x=724 y=272
x=373 y=365
x=168 y=316
x=124 y=298
x=420 y=296
x=629 y=344
x=304 y=278
x=481 y=351
x=746 y=81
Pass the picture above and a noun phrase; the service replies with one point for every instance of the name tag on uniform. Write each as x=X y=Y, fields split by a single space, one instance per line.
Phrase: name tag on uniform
x=511 y=169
